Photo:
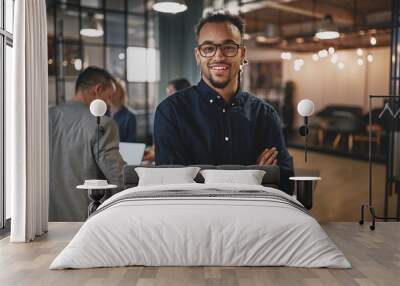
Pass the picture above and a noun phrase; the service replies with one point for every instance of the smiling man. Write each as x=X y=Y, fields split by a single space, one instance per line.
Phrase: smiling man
x=215 y=122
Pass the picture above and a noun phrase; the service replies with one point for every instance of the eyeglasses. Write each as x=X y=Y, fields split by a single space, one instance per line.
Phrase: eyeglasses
x=209 y=50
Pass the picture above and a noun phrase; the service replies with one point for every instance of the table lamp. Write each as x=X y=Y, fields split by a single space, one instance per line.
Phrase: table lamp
x=98 y=108
x=305 y=108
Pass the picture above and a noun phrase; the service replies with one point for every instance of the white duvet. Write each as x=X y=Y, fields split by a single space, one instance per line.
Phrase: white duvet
x=200 y=231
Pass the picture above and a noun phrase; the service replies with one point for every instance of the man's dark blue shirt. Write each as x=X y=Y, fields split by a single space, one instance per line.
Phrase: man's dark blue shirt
x=126 y=121
x=197 y=126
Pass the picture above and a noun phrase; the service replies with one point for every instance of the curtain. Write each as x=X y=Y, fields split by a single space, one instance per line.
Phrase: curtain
x=27 y=123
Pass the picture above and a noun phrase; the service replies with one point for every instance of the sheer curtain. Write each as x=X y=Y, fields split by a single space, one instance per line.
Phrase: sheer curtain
x=27 y=123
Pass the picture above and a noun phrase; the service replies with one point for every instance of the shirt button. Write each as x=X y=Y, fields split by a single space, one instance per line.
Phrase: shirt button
x=223 y=110
x=226 y=139
x=211 y=101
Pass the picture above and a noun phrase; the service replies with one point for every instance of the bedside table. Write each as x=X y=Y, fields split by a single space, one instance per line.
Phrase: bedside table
x=304 y=189
x=96 y=194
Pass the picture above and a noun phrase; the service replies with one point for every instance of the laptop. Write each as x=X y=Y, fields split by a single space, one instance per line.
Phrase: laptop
x=132 y=153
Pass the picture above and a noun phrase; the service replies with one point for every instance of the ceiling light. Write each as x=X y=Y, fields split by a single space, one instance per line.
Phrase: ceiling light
x=359 y=52
x=370 y=58
x=170 y=7
x=372 y=41
x=91 y=27
x=323 y=53
x=340 y=65
x=360 y=61
x=327 y=29
x=315 y=57
x=331 y=50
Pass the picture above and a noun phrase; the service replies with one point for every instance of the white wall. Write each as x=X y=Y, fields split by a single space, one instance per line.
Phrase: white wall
x=324 y=83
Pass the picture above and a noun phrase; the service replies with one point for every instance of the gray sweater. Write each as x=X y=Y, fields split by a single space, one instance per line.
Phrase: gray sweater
x=73 y=158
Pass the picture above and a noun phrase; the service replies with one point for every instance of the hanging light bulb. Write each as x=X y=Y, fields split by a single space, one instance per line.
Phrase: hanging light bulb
x=323 y=53
x=340 y=65
x=360 y=52
x=121 y=56
x=246 y=36
x=370 y=58
x=286 y=56
x=78 y=64
x=170 y=7
x=360 y=61
x=327 y=29
x=372 y=41
x=298 y=64
x=315 y=57
x=331 y=50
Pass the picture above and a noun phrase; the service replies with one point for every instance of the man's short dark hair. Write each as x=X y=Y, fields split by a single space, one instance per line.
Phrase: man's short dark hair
x=221 y=17
x=92 y=76
x=180 y=83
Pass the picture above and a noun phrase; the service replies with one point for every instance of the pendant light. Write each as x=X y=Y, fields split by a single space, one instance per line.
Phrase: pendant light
x=91 y=27
x=170 y=7
x=327 y=29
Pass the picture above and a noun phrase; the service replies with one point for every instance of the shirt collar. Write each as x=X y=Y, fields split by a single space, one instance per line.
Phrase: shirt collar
x=211 y=96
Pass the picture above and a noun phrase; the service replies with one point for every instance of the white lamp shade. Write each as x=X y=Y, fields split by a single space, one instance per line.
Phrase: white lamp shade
x=305 y=107
x=98 y=107
x=170 y=6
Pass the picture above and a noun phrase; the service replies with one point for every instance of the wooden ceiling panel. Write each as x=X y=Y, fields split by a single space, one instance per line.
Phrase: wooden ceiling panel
x=302 y=17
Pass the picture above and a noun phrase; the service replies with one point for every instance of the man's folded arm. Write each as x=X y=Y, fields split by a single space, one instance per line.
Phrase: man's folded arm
x=285 y=161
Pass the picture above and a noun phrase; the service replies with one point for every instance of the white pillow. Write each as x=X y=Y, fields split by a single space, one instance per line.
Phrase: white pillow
x=248 y=177
x=163 y=176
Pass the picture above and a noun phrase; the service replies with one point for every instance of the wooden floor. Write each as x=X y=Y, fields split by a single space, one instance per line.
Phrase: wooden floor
x=344 y=186
x=375 y=257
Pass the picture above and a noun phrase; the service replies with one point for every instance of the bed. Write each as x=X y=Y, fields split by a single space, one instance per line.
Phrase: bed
x=197 y=224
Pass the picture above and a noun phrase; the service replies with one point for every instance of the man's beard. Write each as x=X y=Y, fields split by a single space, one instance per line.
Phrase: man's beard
x=218 y=84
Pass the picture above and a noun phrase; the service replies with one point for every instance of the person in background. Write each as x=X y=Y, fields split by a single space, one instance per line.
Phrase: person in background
x=172 y=87
x=73 y=146
x=177 y=85
x=125 y=119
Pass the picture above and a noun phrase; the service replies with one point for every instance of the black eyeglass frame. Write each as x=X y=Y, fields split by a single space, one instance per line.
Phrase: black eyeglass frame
x=220 y=47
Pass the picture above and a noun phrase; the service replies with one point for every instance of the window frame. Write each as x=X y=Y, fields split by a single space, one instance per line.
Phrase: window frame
x=59 y=42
